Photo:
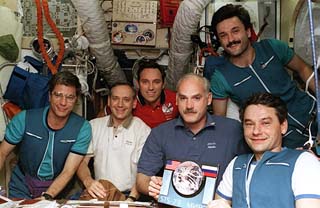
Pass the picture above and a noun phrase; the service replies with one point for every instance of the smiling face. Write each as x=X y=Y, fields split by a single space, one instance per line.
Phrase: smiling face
x=121 y=102
x=233 y=36
x=62 y=100
x=192 y=100
x=262 y=129
x=150 y=85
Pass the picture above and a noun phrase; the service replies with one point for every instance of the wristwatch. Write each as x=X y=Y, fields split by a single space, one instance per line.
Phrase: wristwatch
x=47 y=196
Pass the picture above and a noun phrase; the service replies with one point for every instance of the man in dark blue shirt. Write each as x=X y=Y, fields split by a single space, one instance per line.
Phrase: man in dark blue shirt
x=196 y=136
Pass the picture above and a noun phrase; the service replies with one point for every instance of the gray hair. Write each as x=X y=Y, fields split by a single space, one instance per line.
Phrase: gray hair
x=206 y=83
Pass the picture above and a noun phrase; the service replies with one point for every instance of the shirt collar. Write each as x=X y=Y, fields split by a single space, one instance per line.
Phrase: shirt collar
x=126 y=123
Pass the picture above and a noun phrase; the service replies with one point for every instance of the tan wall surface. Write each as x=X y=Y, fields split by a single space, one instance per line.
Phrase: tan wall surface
x=287 y=25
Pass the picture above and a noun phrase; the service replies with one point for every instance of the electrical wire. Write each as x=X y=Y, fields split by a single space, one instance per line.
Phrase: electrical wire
x=307 y=86
x=316 y=66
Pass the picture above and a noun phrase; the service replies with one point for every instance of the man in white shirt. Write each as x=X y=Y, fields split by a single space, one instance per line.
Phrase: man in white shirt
x=117 y=141
x=272 y=176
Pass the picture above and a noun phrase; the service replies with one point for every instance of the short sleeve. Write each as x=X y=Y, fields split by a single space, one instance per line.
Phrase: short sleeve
x=90 y=151
x=83 y=139
x=225 y=186
x=282 y=50
x=218 y=85
x=15 y=129
x=305 y=183
x=151 y=159
x=143 y=134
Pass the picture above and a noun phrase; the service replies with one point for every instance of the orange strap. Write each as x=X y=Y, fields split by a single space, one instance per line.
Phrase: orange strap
x=10 y=109
x=44 y=3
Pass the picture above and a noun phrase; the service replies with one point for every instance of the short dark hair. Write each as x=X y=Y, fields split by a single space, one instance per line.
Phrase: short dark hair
x=229 y=11
x=123 y=84
x=268 y=100
x=65 y=78
x=147 y=63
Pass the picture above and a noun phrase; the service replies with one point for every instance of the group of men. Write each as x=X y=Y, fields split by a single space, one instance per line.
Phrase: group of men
x=275 y=114
x=116 y=144
x=129 y=154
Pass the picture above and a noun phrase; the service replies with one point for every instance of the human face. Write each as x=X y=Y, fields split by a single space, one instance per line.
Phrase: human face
x=233 y=36
x=263 y=130
x=62 y=100
x=192 y=100
x=121 y=102
x=151 y=85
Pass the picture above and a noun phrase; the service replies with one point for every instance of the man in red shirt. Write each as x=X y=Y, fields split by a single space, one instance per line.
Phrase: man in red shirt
x=155 y=103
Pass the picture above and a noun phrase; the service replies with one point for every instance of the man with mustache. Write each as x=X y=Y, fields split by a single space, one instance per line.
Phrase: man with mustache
x=248 y=68
x=194 y=136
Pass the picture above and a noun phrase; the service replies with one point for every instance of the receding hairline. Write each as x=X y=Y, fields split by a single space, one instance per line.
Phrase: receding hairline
x=205 y=83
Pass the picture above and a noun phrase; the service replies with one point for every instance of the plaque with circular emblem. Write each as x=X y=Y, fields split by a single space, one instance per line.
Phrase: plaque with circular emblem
x=188 y=179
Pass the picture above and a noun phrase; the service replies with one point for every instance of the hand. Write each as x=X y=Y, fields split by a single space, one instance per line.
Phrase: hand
x=129 y=200
x=95 y=189
x=218 y=203
x=155 y=186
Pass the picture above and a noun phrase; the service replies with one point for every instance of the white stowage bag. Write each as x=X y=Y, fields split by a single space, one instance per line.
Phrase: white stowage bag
x=302 y=39
x=2 y=124
x=13 y=26
x=233 y=110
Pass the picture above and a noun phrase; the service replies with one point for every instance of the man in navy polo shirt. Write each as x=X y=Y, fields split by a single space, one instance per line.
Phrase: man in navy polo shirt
x=195 y=135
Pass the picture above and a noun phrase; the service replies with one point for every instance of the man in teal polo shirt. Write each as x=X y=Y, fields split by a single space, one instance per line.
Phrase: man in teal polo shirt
x=52 y=142
x=249 y=68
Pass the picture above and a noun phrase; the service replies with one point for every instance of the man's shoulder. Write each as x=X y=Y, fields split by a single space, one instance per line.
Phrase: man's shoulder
x=78 y=117
x=99 y=120
x=224 y=120
x=270 y=42
x=136 y=121
x=169 y=91
x=35 y=111
x=267 y=40
x=305 y=155
x=169 y=94
x=21 y=114
x=166 y=126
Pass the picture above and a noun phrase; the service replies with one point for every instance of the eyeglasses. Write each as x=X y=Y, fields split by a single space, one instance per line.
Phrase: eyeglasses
x=60 y=95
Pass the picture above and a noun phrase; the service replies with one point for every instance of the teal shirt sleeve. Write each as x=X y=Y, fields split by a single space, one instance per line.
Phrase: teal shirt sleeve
x=83 y=139
x=15 y=129
x=282 y=50
x=219 y=86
